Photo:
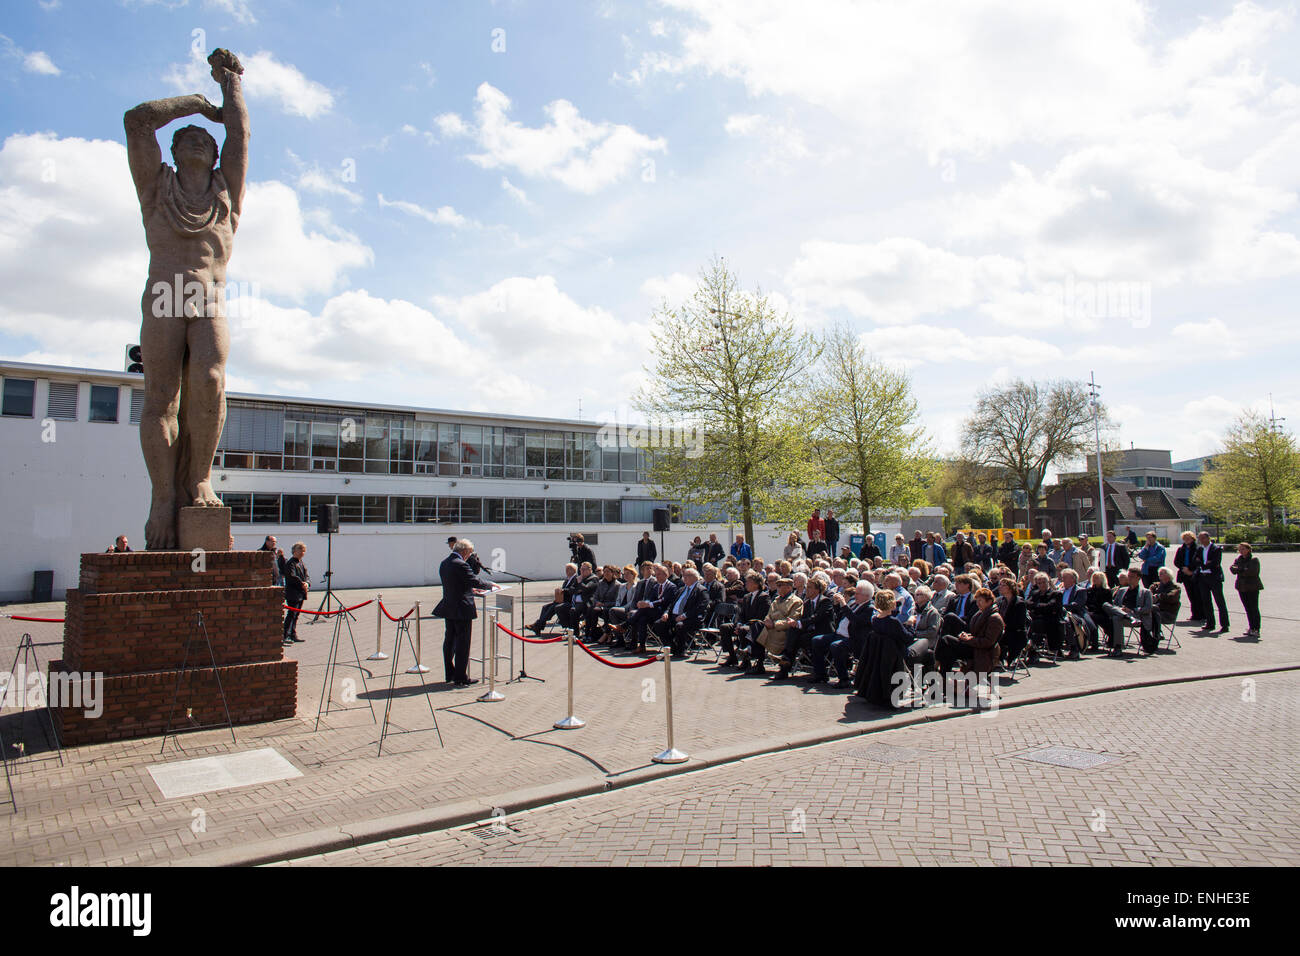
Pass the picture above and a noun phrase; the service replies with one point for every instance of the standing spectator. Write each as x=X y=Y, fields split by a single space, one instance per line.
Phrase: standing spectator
x=816 y=545
x=277 y=562
x=1114 y=558
x=932 y=552
x=1008 y=551
x=985 y=553
x=900 y=553
x=1130 y=537
x=695 y=552
x=120 y=546
x=831 y=534
x=915 y=546
x=646 y=550
x=297 y=582
x=815 y=523
x=793 y=549
x=713 y=552
x=963 y=553
x=740 y=550
x=869 y=549
x=1152 y=557
x=581 y=552
x=1246 y=570
x=1209 y=581
x=1186 y=560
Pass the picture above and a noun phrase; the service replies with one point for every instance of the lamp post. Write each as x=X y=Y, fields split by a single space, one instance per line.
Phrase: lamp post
x=1094 y=390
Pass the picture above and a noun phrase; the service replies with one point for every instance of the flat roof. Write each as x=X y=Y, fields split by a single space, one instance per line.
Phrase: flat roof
x=133 y=378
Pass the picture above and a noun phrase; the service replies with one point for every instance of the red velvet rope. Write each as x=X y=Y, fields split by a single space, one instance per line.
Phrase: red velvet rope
x=303 y=610
x=608 y=663
x=529 y=640
x=37 y=620
x=395 y=619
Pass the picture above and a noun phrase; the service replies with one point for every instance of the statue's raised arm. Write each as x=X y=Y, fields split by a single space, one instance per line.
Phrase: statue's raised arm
x=227 y=70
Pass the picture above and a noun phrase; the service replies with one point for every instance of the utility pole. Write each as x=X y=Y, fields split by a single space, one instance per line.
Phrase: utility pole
x=1275 y=427
x=1094 y=392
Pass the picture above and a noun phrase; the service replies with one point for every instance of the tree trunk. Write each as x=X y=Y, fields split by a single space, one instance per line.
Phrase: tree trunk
x=747 y=512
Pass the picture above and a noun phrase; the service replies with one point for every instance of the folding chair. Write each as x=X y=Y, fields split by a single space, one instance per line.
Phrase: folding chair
x=723 y=613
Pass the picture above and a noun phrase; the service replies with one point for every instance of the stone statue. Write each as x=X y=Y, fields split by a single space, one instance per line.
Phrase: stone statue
x=190 y=215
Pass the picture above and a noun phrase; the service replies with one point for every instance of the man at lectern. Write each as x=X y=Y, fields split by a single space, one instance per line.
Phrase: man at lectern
x=458 y=610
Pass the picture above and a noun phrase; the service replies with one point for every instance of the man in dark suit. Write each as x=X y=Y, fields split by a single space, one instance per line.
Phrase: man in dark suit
x=560 y=604
x=832 y=536
x=1209 y=581
x=915 y=546
x=1187 y=559
x=458 y=610
x=961 y=608
x=985 y=553
x=683 y=612
x=818 y=619
x=1008 y=551
x=963 y=552
x=645 y=549
x=714 y=553
x=296 y=583
x=1114 y=558
x=653 y=591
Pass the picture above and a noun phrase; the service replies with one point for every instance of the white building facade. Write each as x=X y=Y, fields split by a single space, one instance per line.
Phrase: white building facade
x=404 y=480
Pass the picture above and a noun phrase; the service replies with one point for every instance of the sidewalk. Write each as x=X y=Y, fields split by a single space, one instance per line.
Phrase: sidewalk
x=102 y=805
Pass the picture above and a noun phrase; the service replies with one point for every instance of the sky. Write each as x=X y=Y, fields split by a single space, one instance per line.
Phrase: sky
x=480 y=206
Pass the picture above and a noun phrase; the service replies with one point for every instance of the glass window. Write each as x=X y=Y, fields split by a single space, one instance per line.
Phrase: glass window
x=352 y=445
x=240 y=505
x=555 y=511
x=592 y=509
x=535 y=455
x=493 y=452
x=610 y=456
x=313 y=512
x=266 y=508
x=426 y=448
x=238 y=459
x=401 y=445
x=555 y=456
x=535 y=510
x=448 y=449
x=324 y=446
x=399 y=509
x=448 y=510
x=350 y=509
x=572 y=457
x=514 y=510
x=471 y=510
x=293 y=509
x=591 y=460
x=103 y=403
x=267 y=462
x=19 y=397
x=297 y=448
x=376 y=509
x=628 y=464
x=613 y=511
x=471 y=449
x=514 y=452
x=426 y=509
x=494 y=510
x=377 y=446
x=573 y=511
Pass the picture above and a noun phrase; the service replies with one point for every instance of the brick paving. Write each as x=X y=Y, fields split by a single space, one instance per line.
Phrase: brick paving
x=1197 y=776
x=101 y=805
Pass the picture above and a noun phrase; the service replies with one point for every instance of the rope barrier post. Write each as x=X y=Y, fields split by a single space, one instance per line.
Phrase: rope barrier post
x=379 y=654
x=672 y=754
x=418 y=667
x=492 y=695
x=572 y=722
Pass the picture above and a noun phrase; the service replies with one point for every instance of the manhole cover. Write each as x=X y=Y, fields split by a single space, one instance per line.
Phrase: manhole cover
x=1067 y=757
x=884 y=753
x=492 y=831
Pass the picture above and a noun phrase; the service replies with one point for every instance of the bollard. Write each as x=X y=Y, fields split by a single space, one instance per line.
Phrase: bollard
x=379 y=654
x=571 y=722
x=672 y=754
x=417 y=667
x=492 y=696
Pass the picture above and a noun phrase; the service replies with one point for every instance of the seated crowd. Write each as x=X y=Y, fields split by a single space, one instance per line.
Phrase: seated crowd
x=868 y=618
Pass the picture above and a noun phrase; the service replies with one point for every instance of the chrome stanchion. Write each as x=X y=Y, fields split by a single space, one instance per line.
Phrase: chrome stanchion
x=417 y=667
x=672 y=754
x=492 y=696
x=379 y=654
x=571 y=722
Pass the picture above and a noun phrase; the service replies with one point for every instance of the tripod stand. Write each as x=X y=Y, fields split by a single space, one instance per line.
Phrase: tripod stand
x=523 y=614
x=329 y=578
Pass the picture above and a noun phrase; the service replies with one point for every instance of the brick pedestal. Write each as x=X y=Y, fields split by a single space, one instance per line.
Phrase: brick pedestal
x=130 y=620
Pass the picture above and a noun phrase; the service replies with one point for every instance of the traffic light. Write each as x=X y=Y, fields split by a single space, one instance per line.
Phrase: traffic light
x=134 y=360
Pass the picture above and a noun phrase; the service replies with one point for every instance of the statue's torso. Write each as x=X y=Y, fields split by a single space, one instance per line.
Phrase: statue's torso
x=188 y=236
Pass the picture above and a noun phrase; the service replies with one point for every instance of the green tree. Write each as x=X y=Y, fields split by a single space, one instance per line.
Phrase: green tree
x=868 y=443
x=1024 y=428
x=730 y=372
x=1256 y=475
x=971 y=495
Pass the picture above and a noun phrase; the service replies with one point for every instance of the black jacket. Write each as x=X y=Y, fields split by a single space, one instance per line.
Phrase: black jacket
x=1009 y=554
x=1211 y=567
x=1121 y=559
x=296 y=578
x=832 y=532
x=754 y=606
x=984 y=556
x=584 y=553
x=458 y=581
x=695 y=609
x=1246 y=570
x=820 y=620
x=645 y=551
x=714 y=553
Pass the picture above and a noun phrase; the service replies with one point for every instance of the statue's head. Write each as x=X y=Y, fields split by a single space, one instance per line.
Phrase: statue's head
x=194 y=140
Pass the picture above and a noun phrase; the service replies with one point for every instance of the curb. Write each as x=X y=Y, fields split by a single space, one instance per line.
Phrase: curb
x=480 y=809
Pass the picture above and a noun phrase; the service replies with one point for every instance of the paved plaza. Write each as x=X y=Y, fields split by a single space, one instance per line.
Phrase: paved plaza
x=101 y=805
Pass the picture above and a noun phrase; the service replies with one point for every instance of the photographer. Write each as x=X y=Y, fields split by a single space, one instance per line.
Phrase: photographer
x=579 y=551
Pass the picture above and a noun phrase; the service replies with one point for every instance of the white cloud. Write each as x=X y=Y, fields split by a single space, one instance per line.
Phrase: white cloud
x=239 y=9
x=265 y=78
x=920 y=345
x=675 y=289
x=514 y=192
x=40 y=62
x=782 y=143
x=575 y=152
x=442 y=216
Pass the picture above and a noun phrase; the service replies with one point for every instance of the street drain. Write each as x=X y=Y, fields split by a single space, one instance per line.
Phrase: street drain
x=1067 y=757
x=492 y=831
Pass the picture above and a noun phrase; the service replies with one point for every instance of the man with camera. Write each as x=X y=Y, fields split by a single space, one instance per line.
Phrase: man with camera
x=579 y=551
